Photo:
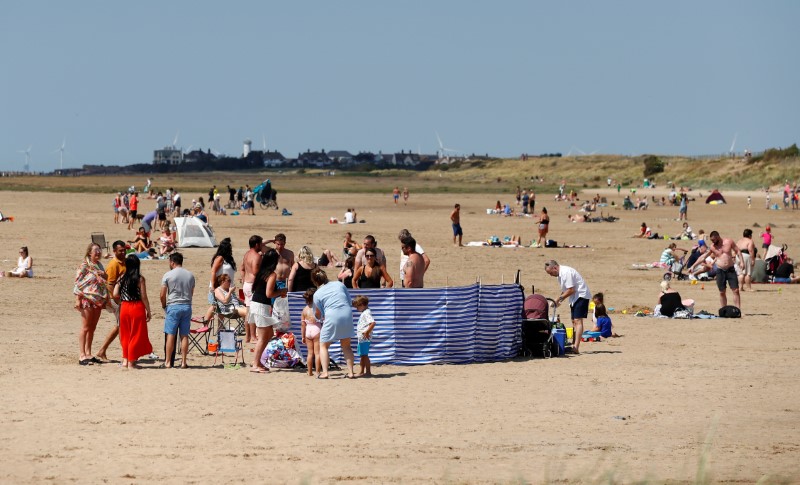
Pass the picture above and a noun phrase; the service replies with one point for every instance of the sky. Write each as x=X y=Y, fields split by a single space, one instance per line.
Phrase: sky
x=117 y=80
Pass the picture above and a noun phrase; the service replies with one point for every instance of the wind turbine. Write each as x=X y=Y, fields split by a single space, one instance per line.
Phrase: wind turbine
x=264 y=143
x=175 y=140
x=27 y=158
x=733 y=144
x=61 y=156
x=442 y=149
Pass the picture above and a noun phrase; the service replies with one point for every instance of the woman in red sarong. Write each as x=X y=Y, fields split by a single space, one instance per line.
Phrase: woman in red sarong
x=134 y=313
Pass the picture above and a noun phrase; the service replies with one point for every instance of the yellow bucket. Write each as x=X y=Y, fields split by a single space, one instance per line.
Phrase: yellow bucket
x=570 y=332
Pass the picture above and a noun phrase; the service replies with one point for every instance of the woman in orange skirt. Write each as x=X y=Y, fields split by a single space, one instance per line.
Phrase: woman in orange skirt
x=134 y=313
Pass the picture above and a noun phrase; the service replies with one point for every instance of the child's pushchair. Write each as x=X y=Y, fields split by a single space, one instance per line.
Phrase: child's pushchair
x=537 y=327
x=776 y=256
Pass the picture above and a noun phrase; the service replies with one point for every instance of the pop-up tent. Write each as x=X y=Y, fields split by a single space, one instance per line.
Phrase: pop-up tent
x=192 y=232
x=715 y=198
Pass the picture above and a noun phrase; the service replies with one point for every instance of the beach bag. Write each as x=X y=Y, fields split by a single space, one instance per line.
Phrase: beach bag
x=550 y=243
x=276 y=354
x=280 y=311
x=730 y=311
x=683 y=313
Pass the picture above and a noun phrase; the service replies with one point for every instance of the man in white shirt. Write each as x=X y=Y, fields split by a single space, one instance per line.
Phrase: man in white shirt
x=369 y=243
x=574 y=288
x=349 y=218
x=404 y=257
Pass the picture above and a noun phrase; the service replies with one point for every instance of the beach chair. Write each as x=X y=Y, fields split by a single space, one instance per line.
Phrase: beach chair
x=228 y=321
x=99 y=238
x=198 y=336
x=228 y=343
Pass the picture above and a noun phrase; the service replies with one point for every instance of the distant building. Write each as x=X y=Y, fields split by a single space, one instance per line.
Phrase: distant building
x=313 y=159
x=342 y=157
x=273 y=159
x=167 y=155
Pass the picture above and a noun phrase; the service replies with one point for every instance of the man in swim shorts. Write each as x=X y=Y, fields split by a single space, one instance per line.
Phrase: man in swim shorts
x=455 y=218
x=727 y=254
x=250 y=265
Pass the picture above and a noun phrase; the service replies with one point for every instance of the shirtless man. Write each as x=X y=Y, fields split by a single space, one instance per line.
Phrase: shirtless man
x=285 y=261
x=726 y=253
x=455 y=218
x=415 y=266
x=250 y=265
x=748 y=250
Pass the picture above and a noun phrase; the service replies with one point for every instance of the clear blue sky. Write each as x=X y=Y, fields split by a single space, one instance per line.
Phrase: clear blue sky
x=119 y=79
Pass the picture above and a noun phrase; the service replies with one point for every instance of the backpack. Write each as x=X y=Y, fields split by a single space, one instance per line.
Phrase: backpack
x=730 y=311
x=550 y=244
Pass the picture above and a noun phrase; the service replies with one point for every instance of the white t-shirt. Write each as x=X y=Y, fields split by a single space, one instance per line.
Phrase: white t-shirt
x=348 y=218
x=569 y=278
x=404 y=260
x=364 y=322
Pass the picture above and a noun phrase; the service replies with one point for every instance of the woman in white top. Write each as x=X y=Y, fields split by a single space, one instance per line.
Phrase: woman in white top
x=24 y=267
x=221 y=263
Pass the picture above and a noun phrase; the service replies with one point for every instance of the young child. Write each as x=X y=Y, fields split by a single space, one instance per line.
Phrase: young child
x=366 y=323
x=310 y=327
x=766 y=236
x=603 y=322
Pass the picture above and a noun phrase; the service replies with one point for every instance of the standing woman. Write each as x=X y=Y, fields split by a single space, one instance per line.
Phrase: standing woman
x=332 y=302
x=134 y=313
x=300 y=276
x=221 y=263
x=369 y=275
x=260 y=313
x=544 y=226
x=91 y=296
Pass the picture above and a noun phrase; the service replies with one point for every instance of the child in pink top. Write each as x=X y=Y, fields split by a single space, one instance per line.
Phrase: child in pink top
x=766 y=236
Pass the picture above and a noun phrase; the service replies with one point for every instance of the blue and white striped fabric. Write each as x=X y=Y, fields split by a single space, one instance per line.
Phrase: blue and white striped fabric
x=456 y=325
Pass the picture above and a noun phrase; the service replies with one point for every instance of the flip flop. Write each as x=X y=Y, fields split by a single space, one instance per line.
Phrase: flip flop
x=320 y=377
x=96 y=360
x=85 y=362
x=259 y=370
x=346 y=376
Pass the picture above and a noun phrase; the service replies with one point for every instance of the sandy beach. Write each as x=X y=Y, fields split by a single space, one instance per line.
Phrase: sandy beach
x=671 y=400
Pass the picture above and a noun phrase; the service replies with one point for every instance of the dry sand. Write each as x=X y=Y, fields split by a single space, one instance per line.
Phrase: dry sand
x=676 y=383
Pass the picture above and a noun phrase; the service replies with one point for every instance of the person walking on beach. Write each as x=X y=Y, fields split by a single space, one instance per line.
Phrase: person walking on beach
x=134 y=313
x=728 y=256
x=455 y=218
x=574 y=288
x=91 y=296
x=683 y=207
x=396 y=194
x=405 y=195
x=543 y=228
x=177 y=289
x=134 y=208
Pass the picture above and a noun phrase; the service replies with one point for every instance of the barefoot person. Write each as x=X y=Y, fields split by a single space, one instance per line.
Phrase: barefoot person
x=177 y=289
x=332 y=302
x=114 y=270
x=91 y=296
x=748 y=249
x=250 y=265
x=24 y=267
x=265 y=288
x=543 y=228
x=727 y=254
x=574 y=288
x=455 y=218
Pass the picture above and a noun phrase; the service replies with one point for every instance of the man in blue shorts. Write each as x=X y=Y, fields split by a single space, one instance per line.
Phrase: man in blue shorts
x=455 y=218
x=177 y=288
x=574 y=287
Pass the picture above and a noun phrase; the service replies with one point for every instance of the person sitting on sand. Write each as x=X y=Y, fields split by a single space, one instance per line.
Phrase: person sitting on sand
x=167 y=241
x=328 y=259
x=785 y=273
x=579 y=218
x=670 y=300
x=349 y=247
x=149 y=254
x=601 y=318
x=686 y=233
x=644 y=232
x=24 y=267
x=141 y=243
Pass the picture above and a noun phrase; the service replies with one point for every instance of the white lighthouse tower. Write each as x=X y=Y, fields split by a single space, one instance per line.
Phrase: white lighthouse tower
x=246 y=148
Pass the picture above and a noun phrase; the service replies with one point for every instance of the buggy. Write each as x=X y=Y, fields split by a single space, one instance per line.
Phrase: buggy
x=776 y=256
x=538 y=322
x=266 y=196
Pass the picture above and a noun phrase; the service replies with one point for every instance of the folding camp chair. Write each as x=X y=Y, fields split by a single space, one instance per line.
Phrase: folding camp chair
x=228 y=321
x=198 y=336
x=228 y=343
x=99 y=238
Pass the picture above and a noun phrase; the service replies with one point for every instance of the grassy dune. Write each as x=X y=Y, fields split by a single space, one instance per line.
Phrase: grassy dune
x=474 y=177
